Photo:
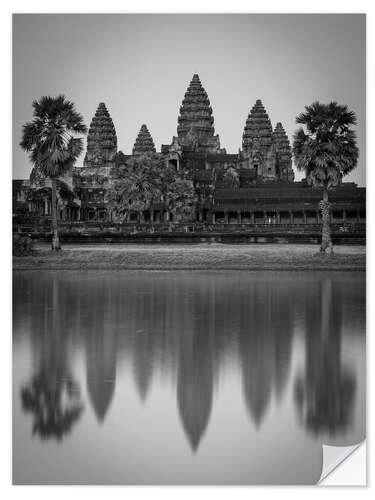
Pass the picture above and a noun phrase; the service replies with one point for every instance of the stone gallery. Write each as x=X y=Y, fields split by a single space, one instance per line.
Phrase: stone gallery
x=255 y=186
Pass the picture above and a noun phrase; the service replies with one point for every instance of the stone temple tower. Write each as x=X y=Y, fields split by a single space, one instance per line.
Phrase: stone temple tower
x=265 y=152
x=283 y=154
x=101 y=140
x=195 y=130
x=258 y=130
x=143 y=143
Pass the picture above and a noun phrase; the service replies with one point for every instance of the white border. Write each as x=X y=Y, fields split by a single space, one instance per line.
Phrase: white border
x=264 y=6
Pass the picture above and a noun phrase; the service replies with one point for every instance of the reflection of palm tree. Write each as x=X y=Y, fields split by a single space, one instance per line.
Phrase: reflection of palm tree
x=325 y=395
x=54 y=402
x=52 y=396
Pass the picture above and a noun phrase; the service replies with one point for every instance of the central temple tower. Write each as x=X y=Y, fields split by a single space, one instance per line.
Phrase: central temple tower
x=195 y=130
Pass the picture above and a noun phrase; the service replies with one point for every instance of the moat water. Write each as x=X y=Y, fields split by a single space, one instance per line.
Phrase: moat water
x=185 y=377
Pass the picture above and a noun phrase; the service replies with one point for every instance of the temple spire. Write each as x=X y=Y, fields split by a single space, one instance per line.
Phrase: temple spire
x=196 y=113
x=101 y=139
x=144 y=143
x=283 y=153
x=258 y=129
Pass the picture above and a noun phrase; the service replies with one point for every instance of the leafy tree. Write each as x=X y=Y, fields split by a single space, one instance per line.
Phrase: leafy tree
x=177 y=192
x=181 y=198
x=326 y=151
x=144 y=180
x=52 y=143
x=231 y=176
x=135 y=187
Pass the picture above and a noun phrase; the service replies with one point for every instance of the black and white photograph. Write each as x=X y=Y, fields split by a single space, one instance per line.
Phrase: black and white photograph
x=189 y=247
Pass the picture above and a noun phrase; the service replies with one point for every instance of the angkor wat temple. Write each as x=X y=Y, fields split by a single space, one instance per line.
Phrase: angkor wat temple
x=260 y=190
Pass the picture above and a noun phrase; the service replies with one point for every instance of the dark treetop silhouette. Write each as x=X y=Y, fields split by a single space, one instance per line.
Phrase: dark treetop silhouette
x=50 y=139
x=326 y=152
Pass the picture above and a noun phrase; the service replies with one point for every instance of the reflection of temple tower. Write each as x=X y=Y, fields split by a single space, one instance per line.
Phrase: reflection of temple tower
x=256 y=353
x=147 y=314
x=101 y=371
x=194 y=392
x=195 y=375
x=257 y=379
x=143 y=363
x=265 y=344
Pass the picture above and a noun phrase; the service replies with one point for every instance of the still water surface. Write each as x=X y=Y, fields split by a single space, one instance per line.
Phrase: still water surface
x=184 y=377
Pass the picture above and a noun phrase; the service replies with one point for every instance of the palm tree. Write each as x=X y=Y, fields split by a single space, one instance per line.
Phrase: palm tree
x=52 y=143
x=326 y=152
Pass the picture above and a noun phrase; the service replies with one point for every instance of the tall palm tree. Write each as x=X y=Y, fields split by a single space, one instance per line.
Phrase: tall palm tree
x=52 y=143
x=326 y=150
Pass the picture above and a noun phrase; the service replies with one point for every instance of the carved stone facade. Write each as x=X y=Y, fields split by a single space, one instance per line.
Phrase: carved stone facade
x=252 y=186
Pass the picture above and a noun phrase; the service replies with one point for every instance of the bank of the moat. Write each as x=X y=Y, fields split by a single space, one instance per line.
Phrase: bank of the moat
x=215 y=257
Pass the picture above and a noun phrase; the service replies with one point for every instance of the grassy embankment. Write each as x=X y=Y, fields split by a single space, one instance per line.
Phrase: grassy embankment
x=195 y=257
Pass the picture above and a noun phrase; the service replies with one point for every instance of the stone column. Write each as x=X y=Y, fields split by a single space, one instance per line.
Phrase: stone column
x=291 y=217
x=239 y=217
x=167 y=215
x=317 y=217
x=213 y=218
x=252 y=218
x=278 y=219
x=304 y=217
x=264 y=217
x=226 y=219
x=45 y=206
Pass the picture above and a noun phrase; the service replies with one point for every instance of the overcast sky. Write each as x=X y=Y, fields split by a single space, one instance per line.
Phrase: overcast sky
x=141 y=65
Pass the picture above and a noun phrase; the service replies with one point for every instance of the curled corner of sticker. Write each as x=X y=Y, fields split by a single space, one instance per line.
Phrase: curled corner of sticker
x=333 y=456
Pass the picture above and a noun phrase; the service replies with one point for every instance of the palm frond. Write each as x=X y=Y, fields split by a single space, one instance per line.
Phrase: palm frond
x=326 y=150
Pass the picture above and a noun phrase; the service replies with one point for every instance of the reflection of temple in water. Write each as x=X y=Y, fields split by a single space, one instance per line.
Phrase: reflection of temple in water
x=101 y=353
x=186 y=329
x=51 y=396
x=101 y=371
x=265 y=344
x=325 y=393
x=195 y=376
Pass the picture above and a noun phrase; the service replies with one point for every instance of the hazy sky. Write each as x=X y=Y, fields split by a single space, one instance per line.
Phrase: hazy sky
x=141 y=65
